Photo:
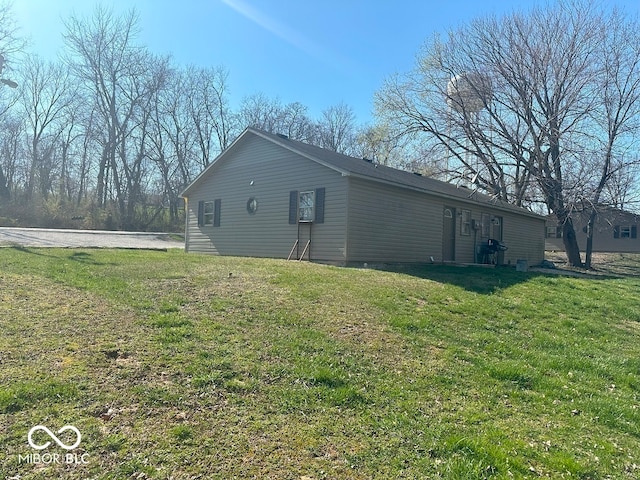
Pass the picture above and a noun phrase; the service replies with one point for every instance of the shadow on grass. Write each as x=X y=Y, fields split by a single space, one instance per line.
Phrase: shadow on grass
x=86 y=258
x=480 y=280
x=79 y=256
x=30 y=250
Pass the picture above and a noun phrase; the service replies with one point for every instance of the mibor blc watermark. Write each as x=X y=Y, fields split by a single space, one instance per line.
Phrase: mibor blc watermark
x=55 y=457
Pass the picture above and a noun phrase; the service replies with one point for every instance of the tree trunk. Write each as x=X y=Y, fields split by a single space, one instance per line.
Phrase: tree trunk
x=5 y=194
x=589 y=249
x=570 y=242
x=101 y=184
x=32 y=176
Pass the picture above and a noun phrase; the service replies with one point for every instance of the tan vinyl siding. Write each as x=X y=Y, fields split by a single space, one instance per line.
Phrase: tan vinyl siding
x=274 y=172
x=465 y=250
x=525 y=238
x=604 y=236
x=604 y=239
x=390 y=224
x=366 y=218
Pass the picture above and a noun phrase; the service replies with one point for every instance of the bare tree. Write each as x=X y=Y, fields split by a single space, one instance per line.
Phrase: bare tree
x=622 y=191
x=172 y=138
x=77 y=147
x=209 y=110
x=98 y=55
x=336 y=129
x=44 y=97
x=10 y=40
x=378 y=144
x=271 y=115
x=10 y=151
x=294 y=122
x=10 y=44
x=259 y=111
x=516 y=105
x=114 y=70
x=616 y=117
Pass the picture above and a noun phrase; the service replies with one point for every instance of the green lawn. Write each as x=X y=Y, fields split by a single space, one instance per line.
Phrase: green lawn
x=184 y=366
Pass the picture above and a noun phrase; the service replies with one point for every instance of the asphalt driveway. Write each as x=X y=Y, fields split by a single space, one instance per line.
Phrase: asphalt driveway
x=44 y=237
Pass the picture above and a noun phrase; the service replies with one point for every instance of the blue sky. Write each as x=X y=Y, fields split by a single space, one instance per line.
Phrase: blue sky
x=319 y=53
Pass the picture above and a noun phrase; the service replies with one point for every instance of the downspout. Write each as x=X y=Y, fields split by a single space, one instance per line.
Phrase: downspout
x=346 y=219
x=186 y=224
x=475 y=245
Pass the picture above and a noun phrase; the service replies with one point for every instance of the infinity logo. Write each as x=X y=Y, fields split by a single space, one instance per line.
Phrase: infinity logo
x=54 y=438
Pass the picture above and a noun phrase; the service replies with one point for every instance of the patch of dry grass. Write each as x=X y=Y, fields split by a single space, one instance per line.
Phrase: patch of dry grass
x=619 y=264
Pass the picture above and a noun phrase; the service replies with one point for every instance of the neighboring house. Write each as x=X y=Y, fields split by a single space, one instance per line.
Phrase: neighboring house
x=269 y=196
x=614 y=231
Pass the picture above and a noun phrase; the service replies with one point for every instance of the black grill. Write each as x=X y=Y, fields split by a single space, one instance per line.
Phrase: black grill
x=489 y=250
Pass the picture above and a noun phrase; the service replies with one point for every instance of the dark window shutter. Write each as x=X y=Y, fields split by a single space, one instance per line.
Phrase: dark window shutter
x=634 y=231
x=293 y=207
x=201 y=213
x=216 y=212
x=616 y=232
x=319 y=205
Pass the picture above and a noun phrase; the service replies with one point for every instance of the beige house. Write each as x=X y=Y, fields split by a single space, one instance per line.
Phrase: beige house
x=269 y=196
x=614 y=231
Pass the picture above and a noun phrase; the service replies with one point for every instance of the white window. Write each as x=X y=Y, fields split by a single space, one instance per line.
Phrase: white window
x=208 y=213
x=465 y=225
x=306 y=203
x=486 y=225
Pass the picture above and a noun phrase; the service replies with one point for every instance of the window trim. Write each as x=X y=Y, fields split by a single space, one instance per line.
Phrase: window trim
x=486 y=225
x=217 y=205
x=208 y=213
x=465 y=222
x=318 y=209
x=625 y=231
x=302 y=217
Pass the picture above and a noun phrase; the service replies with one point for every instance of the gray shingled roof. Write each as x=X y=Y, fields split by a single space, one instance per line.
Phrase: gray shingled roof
x=380 y=173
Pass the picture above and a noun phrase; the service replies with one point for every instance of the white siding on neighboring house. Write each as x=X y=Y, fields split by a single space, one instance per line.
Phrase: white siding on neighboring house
x=267 y=172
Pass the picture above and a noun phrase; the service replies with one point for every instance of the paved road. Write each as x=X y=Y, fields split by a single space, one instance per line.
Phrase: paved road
x=42 y=237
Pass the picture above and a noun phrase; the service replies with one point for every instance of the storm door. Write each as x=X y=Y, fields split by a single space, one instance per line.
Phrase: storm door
x=449 y=235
